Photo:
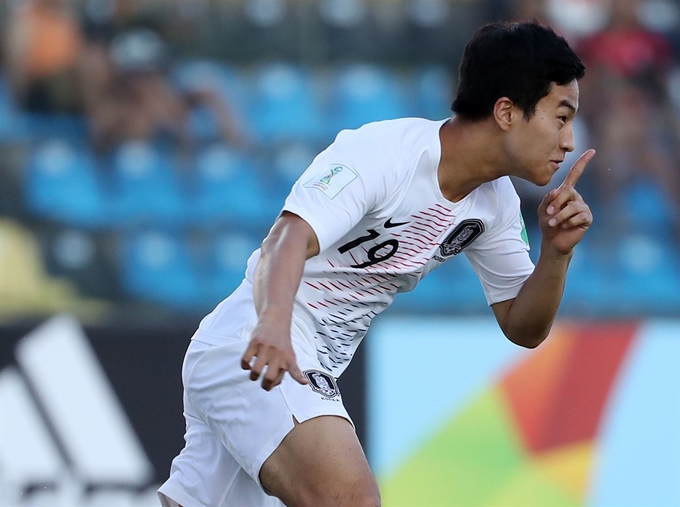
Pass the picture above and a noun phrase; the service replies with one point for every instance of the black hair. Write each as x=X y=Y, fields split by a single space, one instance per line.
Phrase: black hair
x=520 y=61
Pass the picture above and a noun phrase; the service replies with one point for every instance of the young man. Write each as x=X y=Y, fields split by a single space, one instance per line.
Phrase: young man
x=371 y=216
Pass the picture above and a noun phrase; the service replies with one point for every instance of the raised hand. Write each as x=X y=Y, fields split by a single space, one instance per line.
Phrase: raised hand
x=563 y=215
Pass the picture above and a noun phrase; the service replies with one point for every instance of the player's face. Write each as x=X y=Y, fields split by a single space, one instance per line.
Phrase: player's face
x=537 y=146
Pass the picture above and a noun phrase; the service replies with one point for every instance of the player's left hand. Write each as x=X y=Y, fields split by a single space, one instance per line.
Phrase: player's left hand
x=563 y=215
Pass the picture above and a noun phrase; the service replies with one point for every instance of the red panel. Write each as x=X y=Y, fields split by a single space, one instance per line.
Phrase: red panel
x=559 y=393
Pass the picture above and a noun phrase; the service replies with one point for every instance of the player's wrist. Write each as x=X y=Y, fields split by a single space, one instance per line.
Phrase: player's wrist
x=550 y=252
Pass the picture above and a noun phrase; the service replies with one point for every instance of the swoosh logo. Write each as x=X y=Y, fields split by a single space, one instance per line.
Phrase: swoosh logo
x=389 y=224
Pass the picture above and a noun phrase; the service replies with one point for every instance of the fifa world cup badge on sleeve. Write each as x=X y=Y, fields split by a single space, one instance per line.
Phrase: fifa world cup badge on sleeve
x=332 y=180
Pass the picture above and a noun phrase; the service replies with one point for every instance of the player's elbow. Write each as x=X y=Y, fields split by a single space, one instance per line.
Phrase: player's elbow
x=526 y=339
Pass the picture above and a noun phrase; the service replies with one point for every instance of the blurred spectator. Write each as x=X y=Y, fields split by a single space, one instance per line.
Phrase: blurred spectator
x=43 y=43
x=625 y=47
x=130 y=96
x=104 y=19
x=629 y=111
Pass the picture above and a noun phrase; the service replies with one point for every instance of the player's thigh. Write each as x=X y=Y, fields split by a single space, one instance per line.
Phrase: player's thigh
x=321 y=463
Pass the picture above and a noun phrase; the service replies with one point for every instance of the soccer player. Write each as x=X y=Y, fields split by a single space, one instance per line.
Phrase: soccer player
x=373 y=214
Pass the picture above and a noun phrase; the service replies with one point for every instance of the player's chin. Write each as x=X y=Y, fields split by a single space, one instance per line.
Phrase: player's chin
x=542 y=179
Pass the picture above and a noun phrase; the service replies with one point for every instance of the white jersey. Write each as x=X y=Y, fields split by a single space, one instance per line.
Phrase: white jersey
x=374 y=202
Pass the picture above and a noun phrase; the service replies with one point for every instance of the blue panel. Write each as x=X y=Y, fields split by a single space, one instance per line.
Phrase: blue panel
x=638 y=455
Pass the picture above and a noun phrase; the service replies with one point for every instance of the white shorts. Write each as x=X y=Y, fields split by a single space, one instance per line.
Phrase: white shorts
x=233 y=425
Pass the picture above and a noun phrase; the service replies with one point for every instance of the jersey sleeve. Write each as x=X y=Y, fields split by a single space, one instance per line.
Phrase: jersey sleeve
x=342 y=184
x=501 y=257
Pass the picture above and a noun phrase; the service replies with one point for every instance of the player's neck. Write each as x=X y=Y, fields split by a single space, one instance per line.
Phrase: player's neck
x=470 y=157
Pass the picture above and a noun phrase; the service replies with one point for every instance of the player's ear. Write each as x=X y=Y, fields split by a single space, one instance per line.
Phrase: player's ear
x=504 y=112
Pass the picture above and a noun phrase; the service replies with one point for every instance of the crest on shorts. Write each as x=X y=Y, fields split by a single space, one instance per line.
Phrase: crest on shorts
x=322 y=383
x=466 y=232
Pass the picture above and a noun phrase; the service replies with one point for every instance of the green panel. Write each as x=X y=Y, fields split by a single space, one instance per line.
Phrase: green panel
x=464 y=464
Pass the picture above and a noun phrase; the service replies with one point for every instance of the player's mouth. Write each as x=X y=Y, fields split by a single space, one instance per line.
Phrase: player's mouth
x=556 y=164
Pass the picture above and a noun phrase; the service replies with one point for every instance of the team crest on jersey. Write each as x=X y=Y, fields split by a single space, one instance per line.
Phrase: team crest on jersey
x=466 y=232
x=332 y=180
x=322 y=383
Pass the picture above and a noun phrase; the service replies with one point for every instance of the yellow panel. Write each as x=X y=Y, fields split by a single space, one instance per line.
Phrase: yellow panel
x=528 y=487
x=569 y=466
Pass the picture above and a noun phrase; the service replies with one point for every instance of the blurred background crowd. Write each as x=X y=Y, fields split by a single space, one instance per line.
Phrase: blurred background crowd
x=147 y=145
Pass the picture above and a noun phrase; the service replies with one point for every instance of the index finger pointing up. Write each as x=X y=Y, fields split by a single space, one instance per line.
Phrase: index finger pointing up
x=577 y=169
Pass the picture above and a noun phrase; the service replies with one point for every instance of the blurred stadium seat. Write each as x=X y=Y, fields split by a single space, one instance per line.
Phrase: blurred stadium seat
x=25 y=285
x=145 y=187
x=285 y=103
x=362 y=93
x=588 y=279
x=647 y=207
x=289 y=161
x=82 y=256
x=648 y=276
x=227 y=190
x=157 y=266
x=12 y=121
x=62 y=184
x=44 y=126
x=452 y=287
x=432 y=92
x=225 y=263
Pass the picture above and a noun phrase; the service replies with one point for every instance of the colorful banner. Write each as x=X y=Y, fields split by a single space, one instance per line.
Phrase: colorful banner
x=460 y=417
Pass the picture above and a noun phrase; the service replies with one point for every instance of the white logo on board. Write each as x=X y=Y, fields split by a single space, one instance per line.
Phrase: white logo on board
x=66 y=440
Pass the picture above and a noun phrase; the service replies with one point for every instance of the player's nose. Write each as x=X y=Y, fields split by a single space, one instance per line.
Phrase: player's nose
x=567 y=138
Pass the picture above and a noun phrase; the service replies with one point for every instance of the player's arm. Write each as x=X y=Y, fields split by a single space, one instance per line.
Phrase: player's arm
x=288 y=245
x=563 y=218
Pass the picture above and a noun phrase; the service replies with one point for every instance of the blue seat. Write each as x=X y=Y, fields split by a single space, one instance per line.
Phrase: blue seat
x=285 y=104
x=432 y=92
x=289 y=161
x=362 y=93
x=63 y=126
x=226 y=262
x=589 y=280
x=145 y=186
x=13 y=126
x=647 y=206
x=647 y=275
x=452 y=287
x=227 y=189
x=62 y=183
x=158 y=267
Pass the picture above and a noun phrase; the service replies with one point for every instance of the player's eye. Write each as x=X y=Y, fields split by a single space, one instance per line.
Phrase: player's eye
x=563 y=119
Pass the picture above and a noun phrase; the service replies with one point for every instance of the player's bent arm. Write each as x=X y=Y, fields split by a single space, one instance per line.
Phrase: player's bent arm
x=527 y=319
x=288 y=245
x=290 y=242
